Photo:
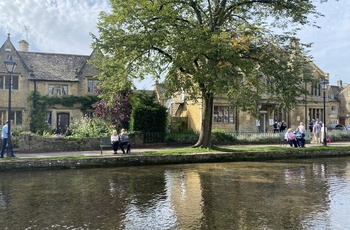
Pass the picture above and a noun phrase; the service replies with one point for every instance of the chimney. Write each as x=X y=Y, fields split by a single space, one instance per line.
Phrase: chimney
x=340 y=83
x=23 y=46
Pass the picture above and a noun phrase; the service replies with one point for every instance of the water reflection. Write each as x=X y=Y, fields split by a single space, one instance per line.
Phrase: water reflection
x=299 y=194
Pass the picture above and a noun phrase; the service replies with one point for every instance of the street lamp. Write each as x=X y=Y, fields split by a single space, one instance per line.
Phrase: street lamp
x=324 y=84
x=10 y=65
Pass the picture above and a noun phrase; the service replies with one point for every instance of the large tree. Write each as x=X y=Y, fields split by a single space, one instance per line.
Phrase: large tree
x=239 y=48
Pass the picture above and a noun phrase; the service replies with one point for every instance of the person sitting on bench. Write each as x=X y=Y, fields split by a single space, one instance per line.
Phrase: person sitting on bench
x=124 y=140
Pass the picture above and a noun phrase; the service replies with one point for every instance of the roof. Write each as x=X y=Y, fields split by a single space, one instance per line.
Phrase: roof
x=53 y=67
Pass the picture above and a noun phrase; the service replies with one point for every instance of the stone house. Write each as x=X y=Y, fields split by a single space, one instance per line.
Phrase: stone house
x=230 y=119
x=48 y=74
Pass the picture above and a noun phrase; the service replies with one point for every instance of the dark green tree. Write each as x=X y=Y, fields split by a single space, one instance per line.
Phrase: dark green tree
x=147 y=115
x=37 y=113
x=238 y=48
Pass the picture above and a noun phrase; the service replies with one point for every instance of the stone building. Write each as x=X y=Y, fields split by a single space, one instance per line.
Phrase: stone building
x=48 y=74
x=230 y=119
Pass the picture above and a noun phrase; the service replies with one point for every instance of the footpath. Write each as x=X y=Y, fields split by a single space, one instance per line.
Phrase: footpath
x=137 y=157
x=141 y=151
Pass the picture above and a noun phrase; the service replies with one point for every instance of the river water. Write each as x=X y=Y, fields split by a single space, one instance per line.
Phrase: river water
x=293 y=194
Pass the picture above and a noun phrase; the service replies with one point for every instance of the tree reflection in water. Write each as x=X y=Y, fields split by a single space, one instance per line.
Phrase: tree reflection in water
x=294 y=194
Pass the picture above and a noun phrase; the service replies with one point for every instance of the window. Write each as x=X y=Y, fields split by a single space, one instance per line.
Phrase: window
x=4 y=82
x=223 y=114
x=16 y=116
x=334 y=109
x=92 y=84
x=49 y=118
x=3 y=117
x=315 y=89
x=58 y=90
x=89 y=114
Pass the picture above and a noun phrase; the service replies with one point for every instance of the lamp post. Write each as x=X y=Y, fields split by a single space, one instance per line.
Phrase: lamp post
x=324 y=84
x=10 y=65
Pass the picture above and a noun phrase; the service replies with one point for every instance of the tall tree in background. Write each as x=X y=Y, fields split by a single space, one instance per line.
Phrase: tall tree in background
x=208 y=48
x=117 y=111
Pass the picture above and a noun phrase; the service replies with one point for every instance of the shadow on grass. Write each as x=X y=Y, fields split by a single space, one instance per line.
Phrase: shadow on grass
x=233 y=149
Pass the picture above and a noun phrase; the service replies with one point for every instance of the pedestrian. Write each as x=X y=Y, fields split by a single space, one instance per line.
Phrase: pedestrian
x=283 y=127
x=5 y=142
x=115 y=141
x=311 y=125
x=275 y=127
x=317 y=132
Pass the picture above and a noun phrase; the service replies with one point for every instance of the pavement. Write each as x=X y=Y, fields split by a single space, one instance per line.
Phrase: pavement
x=141 y=151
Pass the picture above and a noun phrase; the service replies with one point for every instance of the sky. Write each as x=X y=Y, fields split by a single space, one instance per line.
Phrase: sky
x=64 y=26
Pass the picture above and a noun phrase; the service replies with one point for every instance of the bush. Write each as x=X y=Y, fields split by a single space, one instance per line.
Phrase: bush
x=222 y=136
x=87 y=127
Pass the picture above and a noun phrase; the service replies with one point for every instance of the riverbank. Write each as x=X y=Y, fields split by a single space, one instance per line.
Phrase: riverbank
x=94 y=159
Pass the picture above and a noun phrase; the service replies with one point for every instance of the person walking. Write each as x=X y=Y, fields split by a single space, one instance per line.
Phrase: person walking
x=275 y=127
x=5 y=136
x=283 y=127
x=317 y=132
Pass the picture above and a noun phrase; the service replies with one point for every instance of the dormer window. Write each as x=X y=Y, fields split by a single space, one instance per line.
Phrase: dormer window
x=58 y=90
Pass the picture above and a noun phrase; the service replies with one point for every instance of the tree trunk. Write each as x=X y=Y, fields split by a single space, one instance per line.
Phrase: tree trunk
x=204 y=140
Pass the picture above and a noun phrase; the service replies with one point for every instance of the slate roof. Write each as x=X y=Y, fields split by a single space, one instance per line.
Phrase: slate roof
x=52 y=67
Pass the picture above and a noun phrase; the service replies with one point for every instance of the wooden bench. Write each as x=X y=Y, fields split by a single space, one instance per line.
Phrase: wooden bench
x=105 y=142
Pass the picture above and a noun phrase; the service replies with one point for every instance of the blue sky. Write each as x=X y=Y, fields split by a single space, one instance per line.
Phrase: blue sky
x=64 y=26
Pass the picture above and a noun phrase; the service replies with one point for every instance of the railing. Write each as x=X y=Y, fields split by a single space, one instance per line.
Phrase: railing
x=224 y=137
x=172 y=137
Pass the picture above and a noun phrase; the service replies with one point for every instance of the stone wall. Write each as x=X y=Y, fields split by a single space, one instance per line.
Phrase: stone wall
x=36 y=144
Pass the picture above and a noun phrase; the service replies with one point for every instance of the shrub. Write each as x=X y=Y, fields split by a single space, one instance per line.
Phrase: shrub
x=87 y=127
x=222 y=136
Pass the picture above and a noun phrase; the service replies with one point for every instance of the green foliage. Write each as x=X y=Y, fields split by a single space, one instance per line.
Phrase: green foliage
x=209 y=48
x=219 y=136
x=147 y=115
x=41 y=103
x=69 y=101
x=87 y=127
x=38 y=113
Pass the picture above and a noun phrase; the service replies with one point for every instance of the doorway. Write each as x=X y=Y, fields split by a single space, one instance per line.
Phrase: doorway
x=62 y=122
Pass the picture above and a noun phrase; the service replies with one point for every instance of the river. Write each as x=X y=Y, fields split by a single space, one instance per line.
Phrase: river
x=290 y=194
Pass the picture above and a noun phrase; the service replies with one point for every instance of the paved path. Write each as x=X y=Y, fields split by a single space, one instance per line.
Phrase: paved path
x=141 y=151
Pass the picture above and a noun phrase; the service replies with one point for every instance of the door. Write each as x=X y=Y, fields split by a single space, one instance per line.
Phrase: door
x=62 y=122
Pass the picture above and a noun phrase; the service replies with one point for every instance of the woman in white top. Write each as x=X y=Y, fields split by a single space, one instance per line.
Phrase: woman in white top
x=115 y=141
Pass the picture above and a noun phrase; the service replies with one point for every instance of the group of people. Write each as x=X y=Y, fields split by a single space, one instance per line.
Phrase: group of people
x=279 y=127
x=120 y=141
x=318 y=131
x=297 y=138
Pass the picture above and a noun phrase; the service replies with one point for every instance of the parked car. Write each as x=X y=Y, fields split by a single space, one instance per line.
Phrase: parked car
x=336 y=127
x=347 y=127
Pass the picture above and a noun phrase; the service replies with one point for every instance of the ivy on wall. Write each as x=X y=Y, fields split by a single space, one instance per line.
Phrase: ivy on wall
x=42 y=103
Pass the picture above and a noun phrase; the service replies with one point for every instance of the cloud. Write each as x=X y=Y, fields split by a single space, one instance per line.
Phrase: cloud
x=331 y=43
x=59 y=26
